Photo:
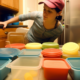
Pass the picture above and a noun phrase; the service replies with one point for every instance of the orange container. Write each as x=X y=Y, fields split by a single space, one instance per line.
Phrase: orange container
x=55 y=68
x=51 y=53
x=16 y=45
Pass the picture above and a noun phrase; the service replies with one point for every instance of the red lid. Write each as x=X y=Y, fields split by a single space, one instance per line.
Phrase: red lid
x=51 y=52
x=16 y=45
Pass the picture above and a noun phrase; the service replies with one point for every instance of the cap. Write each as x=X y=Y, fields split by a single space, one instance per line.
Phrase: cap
x=54 y=3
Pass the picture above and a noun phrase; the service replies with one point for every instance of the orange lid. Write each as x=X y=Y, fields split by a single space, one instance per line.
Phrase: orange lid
x=15 y=45
x=51 y=52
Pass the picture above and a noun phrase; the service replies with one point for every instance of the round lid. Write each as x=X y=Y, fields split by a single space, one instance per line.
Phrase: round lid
x=70 y=47
x=51 y=52
x=15 y=45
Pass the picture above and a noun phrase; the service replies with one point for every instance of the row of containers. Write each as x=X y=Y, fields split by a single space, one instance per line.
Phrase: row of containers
x=25 y=64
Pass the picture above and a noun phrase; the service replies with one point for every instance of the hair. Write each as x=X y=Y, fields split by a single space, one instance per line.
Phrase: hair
x=60 y=16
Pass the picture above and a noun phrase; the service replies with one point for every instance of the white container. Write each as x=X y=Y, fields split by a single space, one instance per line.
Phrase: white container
x=23 y=65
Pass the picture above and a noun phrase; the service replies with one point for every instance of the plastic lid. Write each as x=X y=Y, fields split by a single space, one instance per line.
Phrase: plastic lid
x=50 y=45
x=74 y=63
x=9 y=52
x=16 y=45
x=4 y=62
x=51 y=52
x=55 y=63
x=33 y=46
x=70 y=47
x=30 y=52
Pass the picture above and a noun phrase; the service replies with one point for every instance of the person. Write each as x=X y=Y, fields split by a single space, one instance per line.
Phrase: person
x=47 y=26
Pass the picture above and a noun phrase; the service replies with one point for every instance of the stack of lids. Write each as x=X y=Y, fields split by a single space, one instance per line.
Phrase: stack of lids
x=51 y=53
x=50 y=45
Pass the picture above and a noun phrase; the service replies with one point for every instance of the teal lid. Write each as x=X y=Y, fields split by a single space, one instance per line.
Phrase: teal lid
x=30 y=53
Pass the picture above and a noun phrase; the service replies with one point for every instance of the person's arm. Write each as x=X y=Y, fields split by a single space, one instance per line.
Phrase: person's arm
x=12 y=20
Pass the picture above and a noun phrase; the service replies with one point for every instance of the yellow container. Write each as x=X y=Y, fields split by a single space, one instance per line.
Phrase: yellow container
x=33 y=46
x=70 y=48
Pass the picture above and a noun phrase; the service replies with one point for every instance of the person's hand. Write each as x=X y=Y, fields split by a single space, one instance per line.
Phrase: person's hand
x=4 y=24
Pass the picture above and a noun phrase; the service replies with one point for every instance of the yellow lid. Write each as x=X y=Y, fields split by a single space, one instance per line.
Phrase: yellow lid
x=70 y=48
x=33 y=46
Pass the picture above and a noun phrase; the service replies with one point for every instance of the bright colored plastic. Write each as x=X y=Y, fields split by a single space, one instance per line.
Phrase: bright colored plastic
x=30 y=53
x=51 y=53
x=23 y=65
x=16 y=45
x=70 y=48
x=50 y=45
x=55 y=68
x=11 y=53
x=33 y=46
x=3 y=69
x=75 y=68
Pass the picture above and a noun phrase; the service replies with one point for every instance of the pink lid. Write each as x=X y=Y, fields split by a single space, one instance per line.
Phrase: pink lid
x=51 y=52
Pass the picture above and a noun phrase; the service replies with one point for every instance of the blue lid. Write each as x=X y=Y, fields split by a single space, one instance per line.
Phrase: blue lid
x=74 y=62
x=4 y=62
x=30 y=53
x=9 y=52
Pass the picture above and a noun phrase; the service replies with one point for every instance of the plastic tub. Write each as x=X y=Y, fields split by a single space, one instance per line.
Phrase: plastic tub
x=51 y=53
x=70 y=48
x=50 y=45
x=33 y=46
x=16 y=45
x=75 y=68
x=3 y=69
x=11 y=53
x=55 y=68
x=30 y=53
x=26 y=68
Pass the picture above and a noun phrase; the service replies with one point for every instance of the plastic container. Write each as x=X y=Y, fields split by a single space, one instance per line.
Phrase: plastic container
x=75 y=68
x=33 y=46
x=70 y=48
x=55 y=68
x=3 y=69
x=30 y=53
x=16 y=45
x=26 y=68
x=51 y=53
x=6 y=53
x=50 y=45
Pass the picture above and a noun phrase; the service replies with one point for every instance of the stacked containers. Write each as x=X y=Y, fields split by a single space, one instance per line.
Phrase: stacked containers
x=3 y=69
x=75 y=68
x=27 y=66
x=55 y=68
x=70 y=49
x=51 y=53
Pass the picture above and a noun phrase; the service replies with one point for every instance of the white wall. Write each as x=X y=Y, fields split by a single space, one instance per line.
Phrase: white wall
x=29 y=6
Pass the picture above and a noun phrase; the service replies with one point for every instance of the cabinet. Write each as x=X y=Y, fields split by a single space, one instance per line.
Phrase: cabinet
x=10 y=4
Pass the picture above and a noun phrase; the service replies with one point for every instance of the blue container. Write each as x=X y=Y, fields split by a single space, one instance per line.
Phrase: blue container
x=6 y=53
x=16 y=23
x=30 y=53
x=75 y=68
x=3 y=69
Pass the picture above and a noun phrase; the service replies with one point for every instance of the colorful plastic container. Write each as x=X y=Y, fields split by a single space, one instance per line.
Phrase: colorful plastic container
x=70 y=48
x=3 y=69
x=55 y=68
x=51 y=53
x=16 y=45
x=26 y=68
x=50 y=45
x=6 y=53
x=75 y=68
x=33 y=46
x=30 y=53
